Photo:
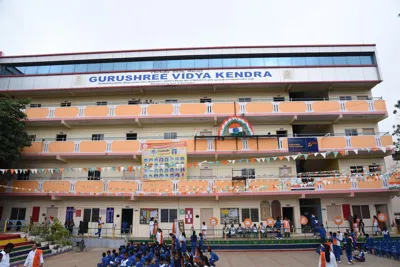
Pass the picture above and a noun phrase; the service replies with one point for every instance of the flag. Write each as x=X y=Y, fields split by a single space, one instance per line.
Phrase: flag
x=235 y=129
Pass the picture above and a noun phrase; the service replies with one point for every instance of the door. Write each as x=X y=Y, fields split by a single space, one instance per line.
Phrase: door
x=69 y=215
x=287 y=212
x=127 y=217
x=35 y=214
x=346 y=211
x=205 y=216
x=383 y=209
x=52 y=212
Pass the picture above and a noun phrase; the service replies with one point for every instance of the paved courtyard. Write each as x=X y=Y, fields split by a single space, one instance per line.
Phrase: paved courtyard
x=226 y=259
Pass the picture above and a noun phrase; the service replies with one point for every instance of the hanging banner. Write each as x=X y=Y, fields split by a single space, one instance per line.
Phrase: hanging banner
x=164 y=160
x=303 y=144
x=188 y=215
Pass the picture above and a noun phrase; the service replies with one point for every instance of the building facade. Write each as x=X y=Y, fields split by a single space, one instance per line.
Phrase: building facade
x=199 y=133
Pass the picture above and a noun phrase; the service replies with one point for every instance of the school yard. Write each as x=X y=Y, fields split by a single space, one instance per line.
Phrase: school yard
x=226 y=259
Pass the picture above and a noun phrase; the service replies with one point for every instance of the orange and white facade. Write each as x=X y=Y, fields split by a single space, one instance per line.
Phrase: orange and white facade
x=92 y=114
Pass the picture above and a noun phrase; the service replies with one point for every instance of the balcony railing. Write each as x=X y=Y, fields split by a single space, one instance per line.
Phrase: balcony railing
x=200 y=186
x=205 y=145
x=258 y=107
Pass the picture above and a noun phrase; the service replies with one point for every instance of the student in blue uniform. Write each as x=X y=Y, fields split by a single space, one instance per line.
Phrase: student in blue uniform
x=353 y=238
x=213 y=257
x=193 y=242
x=126 y=262
x=109 y=256
x=369 y=243
x=187 y=260
x=177 y=244
x=183 y=242
x=201 y=242
x=278 y=226
x=359 y=256
x=104 y=261
x=322 y=233
x=177 y=260
x=348 y=247
x=386 y=234
x=336 y=247
x=139 y=260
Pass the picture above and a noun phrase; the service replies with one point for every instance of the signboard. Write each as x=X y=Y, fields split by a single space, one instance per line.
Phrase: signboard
x=303 y=220
x=248 y=222
x=270 y=222
x=146 y=214
x=213 y=221
x=181 y=77
x=382 y=217
x=110 y=215
x=164 y=160
x=189 y=216
x=303 y=144
x=338 y=220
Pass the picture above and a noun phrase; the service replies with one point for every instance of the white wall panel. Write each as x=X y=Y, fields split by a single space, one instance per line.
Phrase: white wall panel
x=53 y=81
x=315 y=74
x=27 y=83
x=356 y=73
x=40 y=82
x=343 y=74
x=4 y=83
x=300 y=75
x=370 y=74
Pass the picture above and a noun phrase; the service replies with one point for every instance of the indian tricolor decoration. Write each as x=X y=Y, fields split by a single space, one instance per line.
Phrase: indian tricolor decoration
x=235 y=126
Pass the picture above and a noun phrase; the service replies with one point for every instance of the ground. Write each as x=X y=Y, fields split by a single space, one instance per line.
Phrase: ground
x=226 y=259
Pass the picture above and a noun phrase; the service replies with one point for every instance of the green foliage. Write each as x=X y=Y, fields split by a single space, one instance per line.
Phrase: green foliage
x=58 y=232
x=396 y=128
x=13 y=137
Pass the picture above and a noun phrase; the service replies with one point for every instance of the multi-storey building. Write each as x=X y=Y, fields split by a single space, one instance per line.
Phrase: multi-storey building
x=259 y=132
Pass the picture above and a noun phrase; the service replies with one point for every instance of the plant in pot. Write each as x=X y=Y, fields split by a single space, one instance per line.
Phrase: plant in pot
x=34 y=233
x=44 y=231
x=69 y=244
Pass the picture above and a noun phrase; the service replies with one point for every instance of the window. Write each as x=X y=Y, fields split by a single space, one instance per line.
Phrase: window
x=362 y=211
x=333 y=211
x=346 y=97
x=244 y=99
x=35 y=105
x=101 y=103
x=32 y=137
x=94 y=175
x=120 y=66
x=67 y=68
x=134 y=102
x=65 y=104
x=374 y=168
x=249 y=173
x=87 y=215
x=95 y=215
x=205 y=100
x=350 y=132
x=251 y=214
x=171 y=101
x=362 y=97
x=171 y=135
x=61 y=137
x=356 y=169
x=97 y=137
x=18 y=213
x=279 y=98
x=168 y=215
x=106 y=66
x=95 y=67
x=131 y=136
x=368 y=131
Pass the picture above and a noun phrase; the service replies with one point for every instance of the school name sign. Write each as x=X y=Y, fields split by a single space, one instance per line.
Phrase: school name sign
x=180 y=77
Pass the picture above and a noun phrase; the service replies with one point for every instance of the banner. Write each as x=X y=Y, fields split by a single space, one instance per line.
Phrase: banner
x=303 y=144
x=164 y=160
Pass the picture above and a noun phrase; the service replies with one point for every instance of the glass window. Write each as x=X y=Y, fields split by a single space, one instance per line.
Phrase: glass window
x=120 y=66
x=94 y=67
x=160 y=64
x=229 y=62
x=31 y=70
x=243 y=62
x=201 y=63
x=350 y=132
x=55 y=69
x=107 y=66
x=132 y=66
x=326 y=61
x=68 y=68
x=339 y=60
x=271 y=61
x=95 y=215
x=366 y=60
x=285 y=61
x=356 y=169
x=353 y=60
x=312 y=61
x=81 y=68
x=20 y=69
x=146 y=65
x=257 y=62
x=173 y=64
x=43 y=69
x=215 y=63
x=187 y=63
x=299 y=61
x=362 y=211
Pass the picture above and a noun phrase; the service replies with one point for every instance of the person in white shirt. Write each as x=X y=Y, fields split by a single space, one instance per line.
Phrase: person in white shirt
x=5 y=255
x=151 y=227
x=327 y=258
x=35 y=257
x=204 y=230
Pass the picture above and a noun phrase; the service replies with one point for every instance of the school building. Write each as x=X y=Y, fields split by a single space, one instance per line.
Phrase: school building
x=199 y=133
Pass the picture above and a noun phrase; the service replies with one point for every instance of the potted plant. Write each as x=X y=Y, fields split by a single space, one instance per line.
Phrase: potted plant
x=69 y=244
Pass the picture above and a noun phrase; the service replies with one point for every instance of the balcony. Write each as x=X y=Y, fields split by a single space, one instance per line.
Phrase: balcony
x=206 y=145
x=257 y=110
x=203 y=187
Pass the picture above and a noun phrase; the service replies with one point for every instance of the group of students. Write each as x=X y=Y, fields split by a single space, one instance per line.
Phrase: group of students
x=161 y=254
x=34 y=258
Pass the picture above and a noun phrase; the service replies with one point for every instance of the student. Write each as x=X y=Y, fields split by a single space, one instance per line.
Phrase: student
x=336 y=247
x=109 y=256
x=138 y=260
x=160 y=236
x=286 y=227
x=124 y=227
x=278 y=226
x=193 y=242
x=359 y=256
x=201 y=242
x=204 y=230
x=99 y=225
x=326 y=257
x=355 y=226
x=254 y=230
x=5 y=255
x=204 y=261
x=375 y=224
x=35 y=257
x=263 y=230
x=361 y=227
x=353 y=238
x=187 y=261
x=151 y=227
x=104 y=261
x=225 y=231
x=386 y=234
x=213 y=257
x=177 y=260
x=183 y=242
x=239 y=230
x=348 y=247
x=322 y=233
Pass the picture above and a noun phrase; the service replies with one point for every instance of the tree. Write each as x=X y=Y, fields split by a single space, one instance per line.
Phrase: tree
x=13 y=137
x=396 y=129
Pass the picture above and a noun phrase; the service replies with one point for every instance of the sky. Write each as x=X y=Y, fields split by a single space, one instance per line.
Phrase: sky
x=53 y=26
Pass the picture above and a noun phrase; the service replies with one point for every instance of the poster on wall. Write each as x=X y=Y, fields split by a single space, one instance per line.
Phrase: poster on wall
x=164 y=160
x=229 y=216
x=146 y=214
x=303 y=144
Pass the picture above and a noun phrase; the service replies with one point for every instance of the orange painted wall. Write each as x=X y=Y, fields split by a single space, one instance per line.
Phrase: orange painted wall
x=337 y=186
x=125 y=146
x=264 y=185
x=326 y=106
x=89 y=187
x=268 y=144
x=36 y=147
x=224 y=108
x=380 y=105
x=292 y=107
x=357 y=105
x=35 y=113
x=62 y=147
x=201 y=145
x=127 y=110
x=24 y=185
x=363 y=141
x=199 y=108
x=56 y=186
x=122 y=187
x=331 y=142
x=387 y=140
x=160 y=109
x=187 y=186
x=370 y=183
x=227 y=145
x=93 y=146
x=96 y=111
x=163 y=186
x=255 y=107
x=66 y=112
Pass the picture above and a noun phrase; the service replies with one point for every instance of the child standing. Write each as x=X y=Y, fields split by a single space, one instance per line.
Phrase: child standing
x=183 y=242
x=386 y=234
x=201 y=242
x=322 y=233
x=278 y=227
x=204 y=230
x=348 y=247
x=193 y=242
x=336 y=247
